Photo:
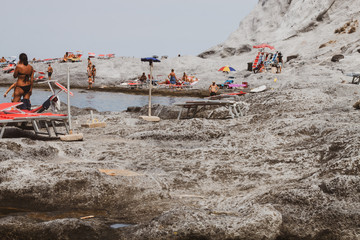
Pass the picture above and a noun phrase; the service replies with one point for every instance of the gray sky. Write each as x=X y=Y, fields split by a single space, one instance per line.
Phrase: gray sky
x=140 y=28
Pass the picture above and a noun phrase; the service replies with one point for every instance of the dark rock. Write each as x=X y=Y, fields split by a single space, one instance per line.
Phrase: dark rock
x=357 y=105
x=243 y=49
x=133 y=109
x=337 y=58
x=228 y=52
x=206 y=54
x=291 y=57
x=311 y=26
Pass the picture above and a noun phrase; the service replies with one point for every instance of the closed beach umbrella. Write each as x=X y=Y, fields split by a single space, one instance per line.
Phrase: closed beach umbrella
x=226 y=69
x=149 y=117
x=264 y=46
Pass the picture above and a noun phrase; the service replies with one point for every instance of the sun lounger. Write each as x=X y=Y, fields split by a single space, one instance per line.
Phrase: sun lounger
x=198 y=105
x=355 y=76
x=11 y=116
x=133 y=84
x=36 y=121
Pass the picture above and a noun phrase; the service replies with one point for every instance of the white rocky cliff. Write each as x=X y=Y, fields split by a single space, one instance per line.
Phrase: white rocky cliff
x=296 y=27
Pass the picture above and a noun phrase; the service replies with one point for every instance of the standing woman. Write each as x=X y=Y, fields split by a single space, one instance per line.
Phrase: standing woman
x=25 y=80
x=172 y=77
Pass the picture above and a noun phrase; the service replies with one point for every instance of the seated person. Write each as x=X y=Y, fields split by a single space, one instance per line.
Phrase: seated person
x=2 y=60
x=259 y=68
x=65 y=57
x=178 y=82
x=184 y=78
x=143 y=78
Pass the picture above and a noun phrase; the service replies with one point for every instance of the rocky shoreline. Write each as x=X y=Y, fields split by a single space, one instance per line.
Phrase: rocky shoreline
x=285 y=170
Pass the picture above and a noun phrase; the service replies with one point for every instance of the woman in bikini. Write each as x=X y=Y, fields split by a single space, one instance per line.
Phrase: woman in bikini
x=25 y=80
x=89 y=63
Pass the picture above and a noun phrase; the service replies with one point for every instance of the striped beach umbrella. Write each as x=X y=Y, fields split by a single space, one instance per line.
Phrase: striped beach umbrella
x=226 y=69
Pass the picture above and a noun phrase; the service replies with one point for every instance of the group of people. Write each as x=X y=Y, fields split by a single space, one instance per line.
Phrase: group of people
x=277 y=63
x=172 y=79
x=91 y=72
x=67 y=56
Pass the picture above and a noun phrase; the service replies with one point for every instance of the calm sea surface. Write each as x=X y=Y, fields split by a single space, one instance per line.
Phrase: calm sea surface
x=101 y=101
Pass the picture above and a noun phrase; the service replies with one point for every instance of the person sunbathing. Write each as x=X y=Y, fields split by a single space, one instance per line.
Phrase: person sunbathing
x=25 y=80
x=260 y=68
x=2 y=60
x=65 y=57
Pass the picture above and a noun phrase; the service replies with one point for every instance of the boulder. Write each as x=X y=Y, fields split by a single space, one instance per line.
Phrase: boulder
x=289 y=58
x=243 y=49
x=207 y=54
x=337 y=58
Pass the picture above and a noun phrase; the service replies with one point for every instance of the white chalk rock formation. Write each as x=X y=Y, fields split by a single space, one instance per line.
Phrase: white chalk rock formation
x=310 y=28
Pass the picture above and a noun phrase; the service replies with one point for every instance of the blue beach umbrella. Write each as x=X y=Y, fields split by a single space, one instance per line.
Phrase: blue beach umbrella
x=150 y=59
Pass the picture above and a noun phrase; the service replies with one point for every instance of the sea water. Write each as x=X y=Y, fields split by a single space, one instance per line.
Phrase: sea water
x=101 y=101
x=120 y=225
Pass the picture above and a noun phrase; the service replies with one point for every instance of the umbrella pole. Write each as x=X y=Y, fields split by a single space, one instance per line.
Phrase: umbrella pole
x=150 y=87
x=149 y=117
x=68 y=100
x=70 y=137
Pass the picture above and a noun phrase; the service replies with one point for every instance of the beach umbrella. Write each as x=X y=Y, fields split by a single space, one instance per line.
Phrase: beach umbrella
x=151 y=60
x=226 y=69
x=264 y=46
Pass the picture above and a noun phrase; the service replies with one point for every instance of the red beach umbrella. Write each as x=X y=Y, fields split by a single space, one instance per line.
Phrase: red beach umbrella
x=264 y=46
